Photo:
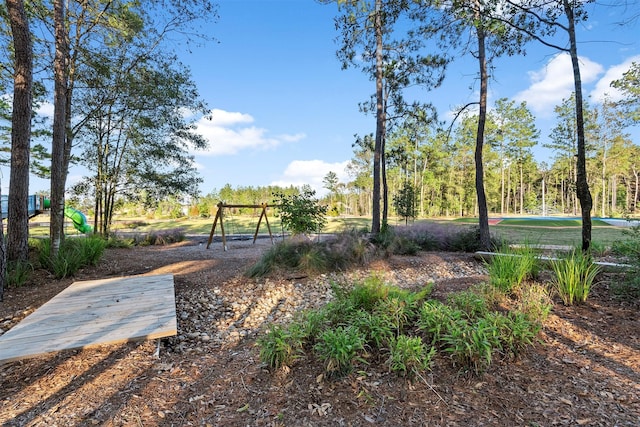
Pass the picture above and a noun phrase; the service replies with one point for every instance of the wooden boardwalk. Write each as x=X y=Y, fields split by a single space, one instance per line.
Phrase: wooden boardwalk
x=95 y=312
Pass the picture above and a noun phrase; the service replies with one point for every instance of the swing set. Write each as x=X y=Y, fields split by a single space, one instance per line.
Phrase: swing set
x=220 y=216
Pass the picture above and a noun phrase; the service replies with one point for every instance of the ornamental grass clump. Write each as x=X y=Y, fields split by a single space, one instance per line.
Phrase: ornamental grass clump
x=574 y=276
x=509 y=268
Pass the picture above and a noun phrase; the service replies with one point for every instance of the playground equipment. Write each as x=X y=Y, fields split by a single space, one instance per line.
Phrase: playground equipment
x=79 y=220
x=37 y=204
x=220 y=216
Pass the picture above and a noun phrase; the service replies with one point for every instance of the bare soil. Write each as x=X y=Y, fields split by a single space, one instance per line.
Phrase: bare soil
x=585 y=370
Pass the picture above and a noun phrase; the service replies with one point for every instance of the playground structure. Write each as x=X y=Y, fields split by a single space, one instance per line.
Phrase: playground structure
x=38 y=204
x=220 y=217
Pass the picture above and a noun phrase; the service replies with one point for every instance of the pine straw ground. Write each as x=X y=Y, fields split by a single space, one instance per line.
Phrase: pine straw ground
x=585 y=371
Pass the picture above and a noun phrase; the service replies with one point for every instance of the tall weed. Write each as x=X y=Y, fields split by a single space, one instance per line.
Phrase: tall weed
x=574 y=277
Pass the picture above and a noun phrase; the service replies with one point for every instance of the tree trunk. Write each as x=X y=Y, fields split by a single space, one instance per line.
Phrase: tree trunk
x=582 y=185
x=18 y=214
x=3 y=257
x=377 y=152
x=483 y=215
x=58 y=170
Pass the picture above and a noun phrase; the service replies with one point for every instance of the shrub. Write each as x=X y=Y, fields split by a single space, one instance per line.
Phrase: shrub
x=469 y=344
x=467 y=239
x=280 y=346
x=18 y=273
x=574 y=276
x=160 y=238
x=72 y=255
x=469 y=302
x=301 y=213
x=347 y=249
x=534 y=301
x=339 y=348
x=409 y=356
x=629 y=287
x=435 y=319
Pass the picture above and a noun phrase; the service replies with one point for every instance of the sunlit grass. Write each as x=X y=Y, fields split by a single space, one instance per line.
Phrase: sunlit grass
x=514 y=230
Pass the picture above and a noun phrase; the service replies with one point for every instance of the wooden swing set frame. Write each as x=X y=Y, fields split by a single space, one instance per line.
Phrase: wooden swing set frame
x=220 y=216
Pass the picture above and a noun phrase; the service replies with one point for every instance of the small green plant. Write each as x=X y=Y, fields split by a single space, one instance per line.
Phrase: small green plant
x=574 y=277
x=73 y=254
x=404 y=202
x=18 y=273
x=470 y=345
x=409 y=356
x=301 y=213
x=518 y=333
x=509 y=268
x=339 y=348
x=436 y=318
x=473 y=304
x=281 y=346
x=534 y=301
x=629 y=287
x=376 y=329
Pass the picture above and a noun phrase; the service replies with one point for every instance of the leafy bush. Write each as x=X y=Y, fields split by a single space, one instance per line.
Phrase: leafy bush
x=347 y=249
x=301 y=214
x=160 y=238
x=73 y=254
x=280 y=346
x=409 y=356
x=340 y=347
x=470 y=345
x=471 y=303
x=534 y=301
x=629 y=288
x=574 y=276
x=18 y=273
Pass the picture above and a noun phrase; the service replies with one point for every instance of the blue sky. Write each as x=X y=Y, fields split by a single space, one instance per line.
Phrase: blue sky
x=284 y=112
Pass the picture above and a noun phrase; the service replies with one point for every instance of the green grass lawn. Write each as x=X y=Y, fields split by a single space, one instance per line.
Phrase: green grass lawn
x=514 y=230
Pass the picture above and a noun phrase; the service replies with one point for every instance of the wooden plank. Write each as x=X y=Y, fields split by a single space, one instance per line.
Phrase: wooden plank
x=96 y=312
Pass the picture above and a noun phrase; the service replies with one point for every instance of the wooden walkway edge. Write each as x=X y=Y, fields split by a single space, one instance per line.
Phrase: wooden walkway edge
x=95 y=312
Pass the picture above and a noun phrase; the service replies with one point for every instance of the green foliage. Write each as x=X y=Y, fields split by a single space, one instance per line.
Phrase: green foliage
x=347 y=249
x=301 y=213
x=629 y=288
x=73 y=255
x=471 y=303
x=468 y=240
x=160 y=238
x=435 y=319
x=280 y=346
x=409 y=356
x=509 y=268
x=574 y=276
x=470 y=344
x=534 y=302
x=404 y=202
x=339 y=348
x=18 y=272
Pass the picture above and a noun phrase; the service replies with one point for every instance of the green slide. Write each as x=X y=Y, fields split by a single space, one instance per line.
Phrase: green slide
x=79 y=220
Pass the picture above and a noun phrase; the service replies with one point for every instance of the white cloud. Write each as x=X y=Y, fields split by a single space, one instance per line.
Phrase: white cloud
x=229 y=133
x=554 y=82
x=311 y=172
x=46 y=109
x=603 y=87
x=227 y=118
